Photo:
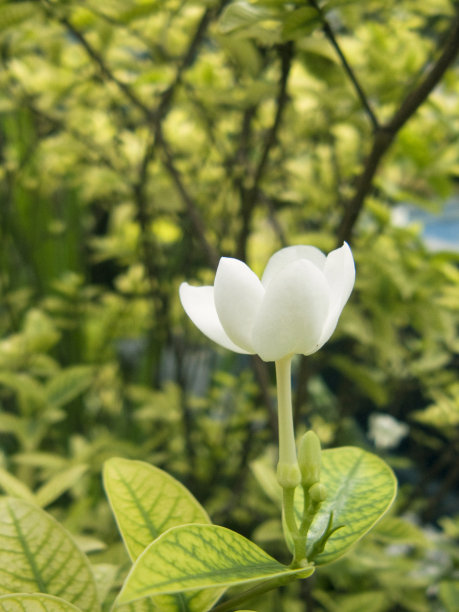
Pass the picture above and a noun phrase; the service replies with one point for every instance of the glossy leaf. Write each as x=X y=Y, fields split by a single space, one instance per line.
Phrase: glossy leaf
x=147 y=502
x=360 y=489
x=38 y=555
x=37 y=602
x=200 y=556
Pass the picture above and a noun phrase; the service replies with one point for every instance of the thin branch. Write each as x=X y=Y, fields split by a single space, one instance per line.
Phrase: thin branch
x=105 y=70
x=385 y=134
x=191 y=206
x=250 y=196
x=347 y=67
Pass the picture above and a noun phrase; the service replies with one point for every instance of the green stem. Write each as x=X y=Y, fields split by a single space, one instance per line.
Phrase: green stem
x=289 y=510
x=309 y=511
x=287 y=448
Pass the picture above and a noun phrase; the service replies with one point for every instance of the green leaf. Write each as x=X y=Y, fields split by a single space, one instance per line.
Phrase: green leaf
x=25 y=386
x=58 y=484
x=146 y=502
x=449 y=594
x=12 y=15
x=35 y=603
x=68 y=384
x=200 y=556
x=38 y=555
x=14 y=487
x=360 y=489
x=240 y=15
x=300 y=22
x=397 y=530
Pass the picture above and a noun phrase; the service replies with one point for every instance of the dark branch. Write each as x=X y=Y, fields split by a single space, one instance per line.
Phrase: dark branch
x=190 y=205
x=250 y=196
x=385 y=134
x=347 y=67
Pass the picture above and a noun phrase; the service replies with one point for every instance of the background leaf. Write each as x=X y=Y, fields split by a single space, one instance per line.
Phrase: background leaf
x=200 y=556
x=35 y=603
x=38 y=555
x=58 y=484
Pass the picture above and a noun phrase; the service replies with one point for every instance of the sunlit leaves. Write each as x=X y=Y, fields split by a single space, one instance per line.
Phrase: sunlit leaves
x=38 y=555
x=147 y=502
x=200 y=556
x=360 y=489
x=35 y=603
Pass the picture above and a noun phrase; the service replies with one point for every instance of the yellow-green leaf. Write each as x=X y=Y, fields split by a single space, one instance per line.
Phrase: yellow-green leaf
x=37 y=602
x=38 y=555
x=360 y=489
x=14 y=487
x=195 y=557
x=146 y=502
x=58 y=484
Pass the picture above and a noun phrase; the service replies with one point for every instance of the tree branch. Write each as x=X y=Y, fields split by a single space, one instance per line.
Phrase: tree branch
x=385 y=134
x=191 y=207
x=250 y=196
x=347 y=67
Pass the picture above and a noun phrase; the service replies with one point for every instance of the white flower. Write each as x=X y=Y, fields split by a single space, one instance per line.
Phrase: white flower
x=385 y=431
x=293 y=309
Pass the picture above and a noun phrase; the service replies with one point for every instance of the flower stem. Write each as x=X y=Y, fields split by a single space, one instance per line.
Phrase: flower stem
x=287 y=448
x=288 y=471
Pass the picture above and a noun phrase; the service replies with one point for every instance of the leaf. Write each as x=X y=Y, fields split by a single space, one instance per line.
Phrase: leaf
x=58 y=484
x=360 y=489
x=38 y=555
x=35 y=603
x=146 y=502
x=12 y=15
x=266 y=477
x=68 y=384
x=241 y=14
x=449 y=594
x=14 y=487
x=400 y=531
x=300 y=23
x=25 y=386
x=200 y=556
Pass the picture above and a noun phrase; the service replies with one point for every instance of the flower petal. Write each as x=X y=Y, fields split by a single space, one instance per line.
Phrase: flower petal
x=293 y=312
x=285 y=256
x=238 y=294
x=339 y=271
x=199 y=305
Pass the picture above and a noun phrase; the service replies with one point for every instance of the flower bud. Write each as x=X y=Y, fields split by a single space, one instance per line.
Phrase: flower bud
x=288 y=475
x=309 y=459
x=318 y=492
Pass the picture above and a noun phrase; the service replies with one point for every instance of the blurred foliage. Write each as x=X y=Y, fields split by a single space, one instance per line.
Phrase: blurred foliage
x=139 y=141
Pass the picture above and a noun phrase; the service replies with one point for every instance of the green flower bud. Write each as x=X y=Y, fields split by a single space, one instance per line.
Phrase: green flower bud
x=309 y=459
x=318 y=492
x=288 y=475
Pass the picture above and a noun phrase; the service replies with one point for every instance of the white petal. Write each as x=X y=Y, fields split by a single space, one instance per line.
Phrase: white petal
x=293 y=312
x=199 y=305
x=238 y=294
x=285 y=256
x=339 y=271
